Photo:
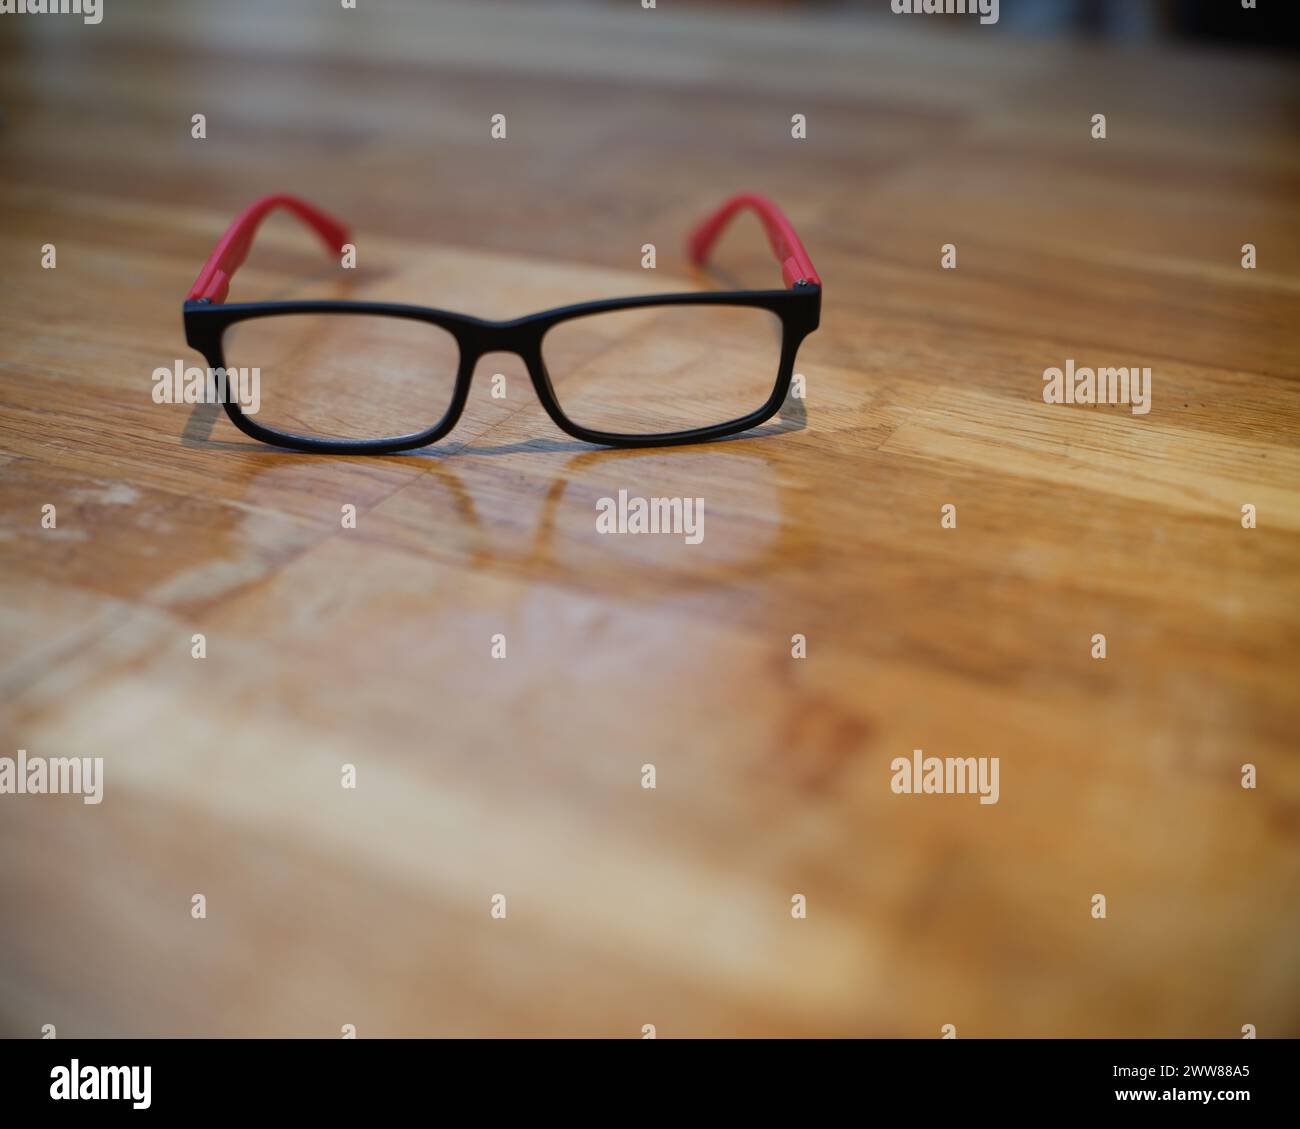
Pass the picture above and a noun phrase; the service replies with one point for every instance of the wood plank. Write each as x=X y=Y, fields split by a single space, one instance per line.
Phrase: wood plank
x=371 y=646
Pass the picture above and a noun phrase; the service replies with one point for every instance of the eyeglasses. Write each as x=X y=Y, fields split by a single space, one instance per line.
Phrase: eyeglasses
x=372 y=377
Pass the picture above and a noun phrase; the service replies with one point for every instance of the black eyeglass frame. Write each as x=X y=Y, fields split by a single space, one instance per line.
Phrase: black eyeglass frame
x=798 y=308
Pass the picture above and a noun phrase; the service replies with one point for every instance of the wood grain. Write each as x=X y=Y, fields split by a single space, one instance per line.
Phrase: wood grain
x=522 y=776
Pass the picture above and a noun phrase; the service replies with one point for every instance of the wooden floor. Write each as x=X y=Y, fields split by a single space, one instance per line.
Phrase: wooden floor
x=522 y=776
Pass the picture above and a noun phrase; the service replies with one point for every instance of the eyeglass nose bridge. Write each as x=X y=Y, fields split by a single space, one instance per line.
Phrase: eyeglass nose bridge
x=520 y=339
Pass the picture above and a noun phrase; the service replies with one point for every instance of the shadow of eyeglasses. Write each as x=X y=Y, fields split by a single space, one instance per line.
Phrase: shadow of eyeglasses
x=746 y=548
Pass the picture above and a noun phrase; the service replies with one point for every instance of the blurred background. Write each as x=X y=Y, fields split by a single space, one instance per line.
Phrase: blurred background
x=1212 y=21
x=1215 y=21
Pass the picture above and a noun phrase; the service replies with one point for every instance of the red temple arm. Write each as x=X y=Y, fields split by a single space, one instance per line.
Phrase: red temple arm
x=214 y=279
x=796 y=266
